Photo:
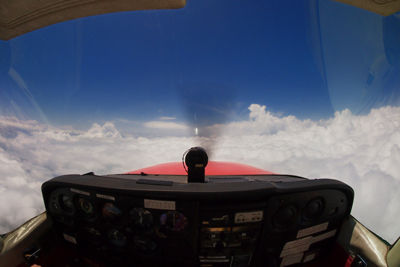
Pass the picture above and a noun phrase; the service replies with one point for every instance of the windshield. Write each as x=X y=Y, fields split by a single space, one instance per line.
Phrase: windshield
x=309 y=88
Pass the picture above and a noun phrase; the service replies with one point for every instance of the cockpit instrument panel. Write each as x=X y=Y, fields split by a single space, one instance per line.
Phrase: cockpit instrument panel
x=122 y=220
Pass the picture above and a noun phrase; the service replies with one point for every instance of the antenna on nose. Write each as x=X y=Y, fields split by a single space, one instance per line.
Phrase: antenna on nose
x=196 y=160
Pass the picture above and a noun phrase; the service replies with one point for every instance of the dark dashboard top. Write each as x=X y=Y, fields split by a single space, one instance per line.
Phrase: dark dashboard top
x=214 y=184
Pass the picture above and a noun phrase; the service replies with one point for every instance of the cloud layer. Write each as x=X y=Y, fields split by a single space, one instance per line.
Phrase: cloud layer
x=363 y=151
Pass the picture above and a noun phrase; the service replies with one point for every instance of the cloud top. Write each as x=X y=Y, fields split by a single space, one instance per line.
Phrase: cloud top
x=165 y=125
x=363 y=151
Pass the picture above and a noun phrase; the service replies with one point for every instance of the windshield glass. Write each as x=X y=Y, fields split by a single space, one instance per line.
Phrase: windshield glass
x=308 y=88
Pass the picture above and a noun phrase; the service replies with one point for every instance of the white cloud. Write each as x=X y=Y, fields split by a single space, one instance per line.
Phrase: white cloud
x=166 y=118
x=363 y=151
x=165 y=125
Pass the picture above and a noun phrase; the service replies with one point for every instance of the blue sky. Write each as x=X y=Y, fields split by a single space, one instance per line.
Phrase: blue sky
x=211 y=58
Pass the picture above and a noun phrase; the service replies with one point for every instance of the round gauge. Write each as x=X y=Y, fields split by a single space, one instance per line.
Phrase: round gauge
x=61 y=201
x=54 y=205
x=173 y=221
x=116 y=237
x=93 y=236
x=285 y=216
x=141 y=218
x=313 y=209
x=86 y=206
x=93 y=231
x=110 y=211
x=144 y=244
x=67 y=202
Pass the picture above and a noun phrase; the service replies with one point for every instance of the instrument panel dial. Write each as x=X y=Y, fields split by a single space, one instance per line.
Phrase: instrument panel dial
x=110 y=211
x=62 y=201
x=117 y=238
x=173 y=221
x=86 y=207
x=141 y=218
